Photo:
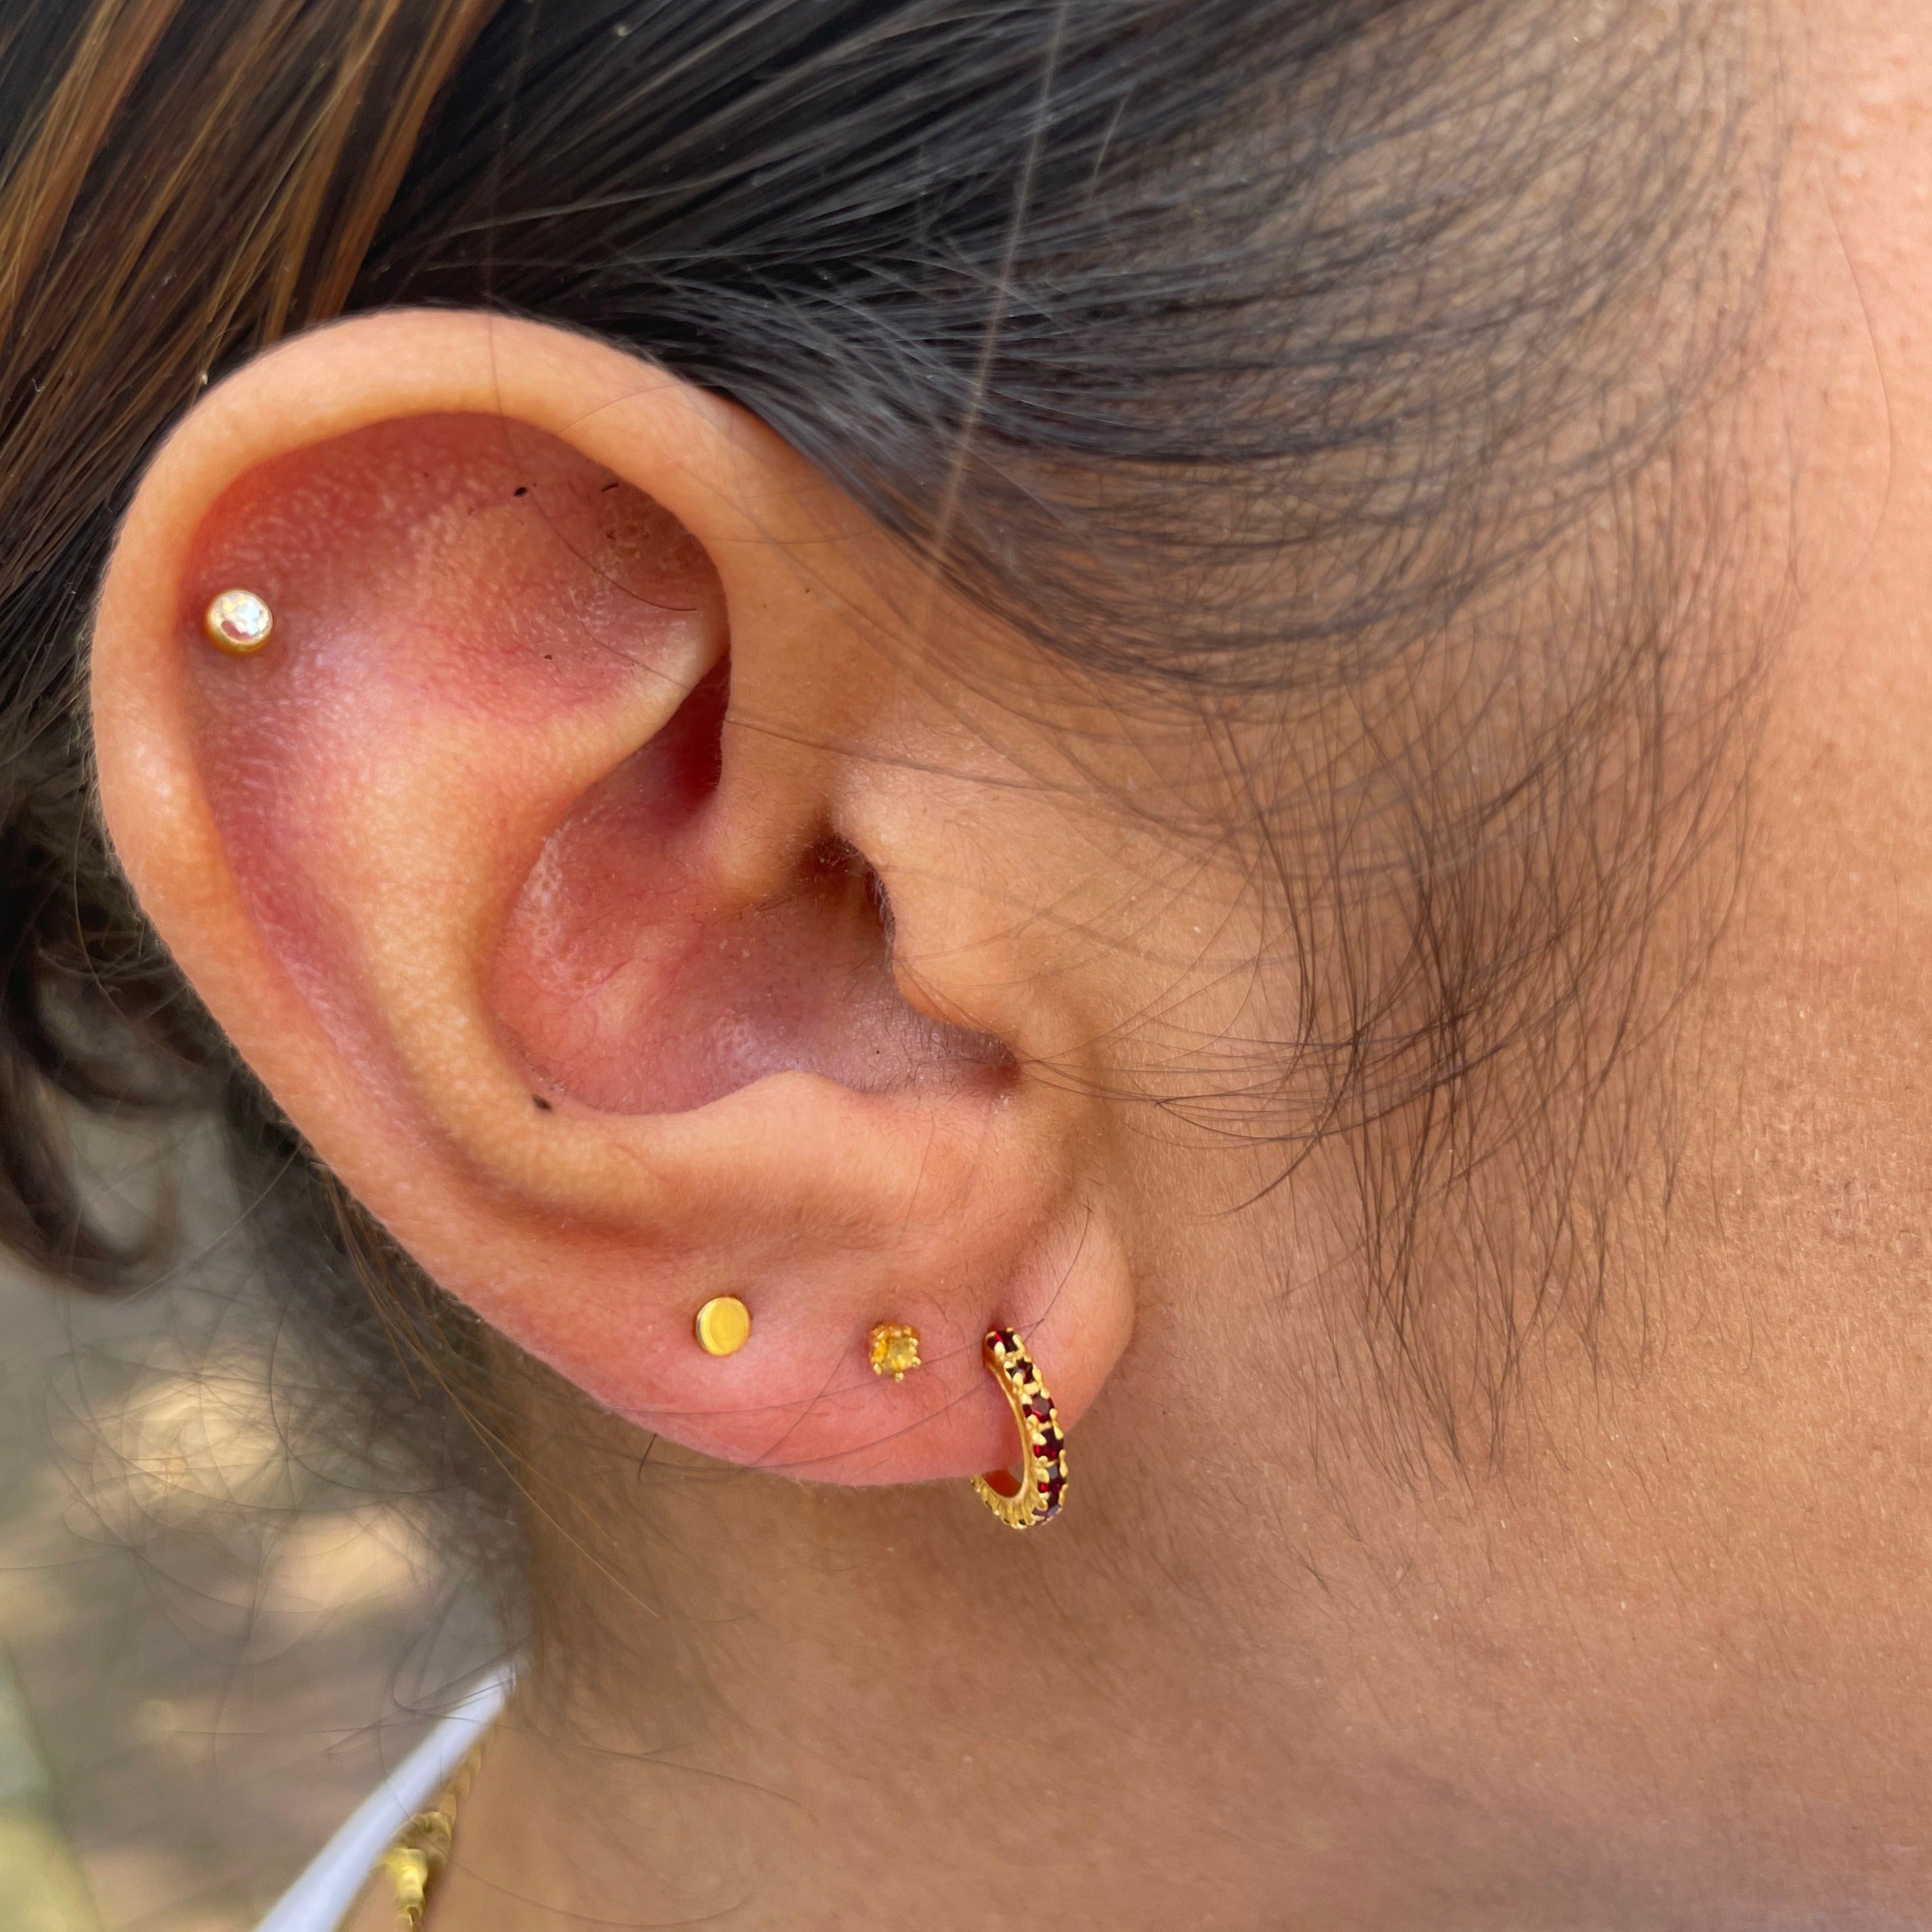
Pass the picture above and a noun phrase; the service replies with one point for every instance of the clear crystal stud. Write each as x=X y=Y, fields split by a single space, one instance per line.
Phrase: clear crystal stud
x=237 y=622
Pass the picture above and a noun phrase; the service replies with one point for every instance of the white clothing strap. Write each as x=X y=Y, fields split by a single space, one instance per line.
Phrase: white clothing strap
x=320 y=1900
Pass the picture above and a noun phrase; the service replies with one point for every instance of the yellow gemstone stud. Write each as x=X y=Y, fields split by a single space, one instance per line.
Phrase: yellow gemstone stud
x=723 y=1326
x=893 y=1349
x=238 y=622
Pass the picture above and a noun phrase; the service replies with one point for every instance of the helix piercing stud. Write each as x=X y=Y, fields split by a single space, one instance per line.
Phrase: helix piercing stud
x=1034 y=1495
x=238 y=622
x=723 y=1325
x=892 y=1348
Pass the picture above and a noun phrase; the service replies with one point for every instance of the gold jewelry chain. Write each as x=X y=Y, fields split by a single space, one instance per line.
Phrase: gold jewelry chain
x=415 y=1861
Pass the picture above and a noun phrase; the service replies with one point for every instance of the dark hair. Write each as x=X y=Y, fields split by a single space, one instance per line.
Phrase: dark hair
x=1234 y=348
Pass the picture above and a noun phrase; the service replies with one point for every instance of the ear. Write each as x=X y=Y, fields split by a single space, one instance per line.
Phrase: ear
x=559 y=866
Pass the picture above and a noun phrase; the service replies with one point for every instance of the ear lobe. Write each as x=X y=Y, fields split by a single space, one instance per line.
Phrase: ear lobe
x=584 y=991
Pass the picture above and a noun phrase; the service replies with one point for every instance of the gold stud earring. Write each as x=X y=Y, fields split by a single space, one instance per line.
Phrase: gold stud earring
x=892 y=1348
x=723 y=1325
x=1034 y=1495
x=238 y=622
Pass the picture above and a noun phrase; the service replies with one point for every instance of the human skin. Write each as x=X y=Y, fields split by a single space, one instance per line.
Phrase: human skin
x=1660 y=1656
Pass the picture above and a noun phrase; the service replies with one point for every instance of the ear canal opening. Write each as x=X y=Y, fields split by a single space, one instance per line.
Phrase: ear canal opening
x=626 y=983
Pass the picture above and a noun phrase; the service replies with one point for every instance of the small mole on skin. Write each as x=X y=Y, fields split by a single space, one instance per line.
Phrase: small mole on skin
x=543 y=1105
x=521 y=490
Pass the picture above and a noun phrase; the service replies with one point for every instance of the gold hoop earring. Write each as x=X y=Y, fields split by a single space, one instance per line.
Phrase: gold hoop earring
x=1035 y=1495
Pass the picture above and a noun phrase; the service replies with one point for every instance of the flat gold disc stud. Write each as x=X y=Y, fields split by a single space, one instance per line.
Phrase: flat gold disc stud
x=238 y=622
x=723 y=1325
x=892 y=1348
x=1034 y=1495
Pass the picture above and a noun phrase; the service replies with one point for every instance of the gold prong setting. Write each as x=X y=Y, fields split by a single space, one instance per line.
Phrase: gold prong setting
x=892 y=1349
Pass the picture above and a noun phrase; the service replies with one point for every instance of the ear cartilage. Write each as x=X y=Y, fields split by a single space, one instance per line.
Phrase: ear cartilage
x=1034 y=1495
x=723 y=1325
x=892 y=1348
x=238 y=622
